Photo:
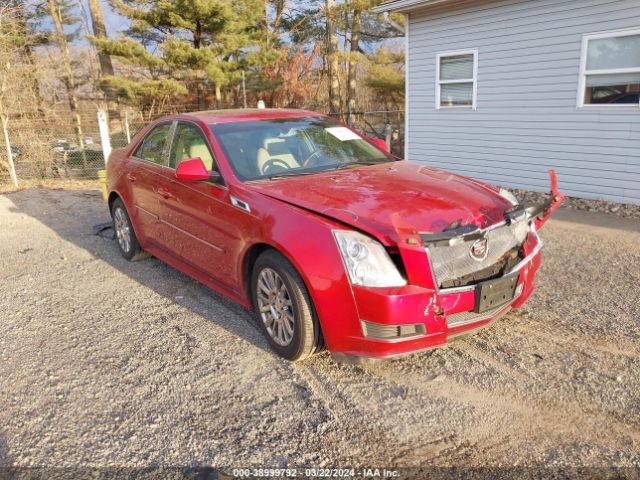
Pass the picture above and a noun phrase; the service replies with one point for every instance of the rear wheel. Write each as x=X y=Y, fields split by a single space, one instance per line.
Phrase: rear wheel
x=127 y=240
x=284 y=307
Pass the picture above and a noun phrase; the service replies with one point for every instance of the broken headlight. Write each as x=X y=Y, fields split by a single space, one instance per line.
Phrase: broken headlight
x=367 y=262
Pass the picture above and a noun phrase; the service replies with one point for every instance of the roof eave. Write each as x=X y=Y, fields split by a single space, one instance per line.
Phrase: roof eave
x=406 y=6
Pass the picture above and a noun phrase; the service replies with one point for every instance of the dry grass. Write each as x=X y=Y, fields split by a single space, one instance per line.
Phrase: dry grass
x=54 y=184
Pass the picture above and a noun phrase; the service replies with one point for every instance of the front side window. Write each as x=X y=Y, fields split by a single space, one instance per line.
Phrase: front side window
x=610 y=69
x=456 y=77
x=152 y=148
x=189 y=142
x=290 y=147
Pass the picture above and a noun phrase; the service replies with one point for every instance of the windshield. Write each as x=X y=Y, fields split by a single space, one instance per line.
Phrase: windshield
x=290 y=147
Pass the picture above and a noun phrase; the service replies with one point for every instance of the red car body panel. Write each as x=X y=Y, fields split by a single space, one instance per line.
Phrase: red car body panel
x=366 y=198
x=198 y=229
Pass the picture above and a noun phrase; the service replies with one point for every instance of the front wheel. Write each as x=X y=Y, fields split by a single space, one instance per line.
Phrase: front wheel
x=285 y=310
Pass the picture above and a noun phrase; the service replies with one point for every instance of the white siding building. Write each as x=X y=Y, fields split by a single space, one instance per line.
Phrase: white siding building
x=505 y=90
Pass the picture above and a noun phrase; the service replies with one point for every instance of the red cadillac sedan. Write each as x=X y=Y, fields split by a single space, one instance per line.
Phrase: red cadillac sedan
x=332 y=241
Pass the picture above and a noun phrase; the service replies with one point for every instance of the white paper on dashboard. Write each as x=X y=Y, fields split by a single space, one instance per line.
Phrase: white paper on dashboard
x=343 y=133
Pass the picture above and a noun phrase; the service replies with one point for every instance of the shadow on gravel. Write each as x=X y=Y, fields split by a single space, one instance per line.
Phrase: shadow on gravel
x=4 y=456
x=79 y=229
x=597 y=219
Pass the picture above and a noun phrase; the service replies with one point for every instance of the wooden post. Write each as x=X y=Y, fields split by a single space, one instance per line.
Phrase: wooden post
x=244 y=91
x=127 y=131
x=387 y=135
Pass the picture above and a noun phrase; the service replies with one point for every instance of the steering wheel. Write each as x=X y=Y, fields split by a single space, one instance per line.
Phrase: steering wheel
x=308 y=159
x=275 y=163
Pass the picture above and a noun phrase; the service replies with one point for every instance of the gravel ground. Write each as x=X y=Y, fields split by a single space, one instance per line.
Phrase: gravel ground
x=625 y=210
x=109 y=363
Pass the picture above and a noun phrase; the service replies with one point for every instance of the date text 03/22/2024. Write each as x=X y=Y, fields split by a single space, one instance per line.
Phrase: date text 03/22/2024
x=315 y=473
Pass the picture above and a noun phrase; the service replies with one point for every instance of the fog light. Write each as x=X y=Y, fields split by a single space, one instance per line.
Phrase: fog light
x=386 y=332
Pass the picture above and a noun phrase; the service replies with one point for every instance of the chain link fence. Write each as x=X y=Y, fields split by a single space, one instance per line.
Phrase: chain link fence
x=58 y=145
x=52 y=146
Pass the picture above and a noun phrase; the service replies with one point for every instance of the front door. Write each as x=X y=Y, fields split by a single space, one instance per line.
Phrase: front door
x=198 y=216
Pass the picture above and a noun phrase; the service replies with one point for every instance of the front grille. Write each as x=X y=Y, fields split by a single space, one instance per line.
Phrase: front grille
x=454 y=266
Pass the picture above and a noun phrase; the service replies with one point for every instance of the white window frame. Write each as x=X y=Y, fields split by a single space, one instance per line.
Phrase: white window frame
x=582 y=83
x=473 y=80
x=407 y=62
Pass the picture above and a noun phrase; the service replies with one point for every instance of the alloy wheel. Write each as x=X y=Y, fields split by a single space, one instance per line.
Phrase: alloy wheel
x=275 y=306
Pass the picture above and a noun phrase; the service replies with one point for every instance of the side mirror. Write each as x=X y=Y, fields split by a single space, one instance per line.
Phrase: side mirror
x=381 y=144
x=192 y=170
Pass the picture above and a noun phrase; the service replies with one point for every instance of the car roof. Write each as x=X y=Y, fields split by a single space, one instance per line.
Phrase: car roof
x=244 y=115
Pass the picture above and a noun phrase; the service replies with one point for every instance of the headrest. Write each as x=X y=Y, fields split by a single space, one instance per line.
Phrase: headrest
x=199 y=150
x=276 y=146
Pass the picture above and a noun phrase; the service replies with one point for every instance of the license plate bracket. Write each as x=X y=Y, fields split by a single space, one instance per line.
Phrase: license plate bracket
x=495 y=293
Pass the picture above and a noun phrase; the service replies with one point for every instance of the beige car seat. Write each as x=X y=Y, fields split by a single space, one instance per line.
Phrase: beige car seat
x=200 y=150
x=275 y=149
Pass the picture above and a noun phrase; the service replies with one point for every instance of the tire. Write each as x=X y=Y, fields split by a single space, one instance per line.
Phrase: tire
x=125 y=236
x=295 y=333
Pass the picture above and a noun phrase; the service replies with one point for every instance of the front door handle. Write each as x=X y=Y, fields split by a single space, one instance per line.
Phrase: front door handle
x=166 y=193
x=132 y=176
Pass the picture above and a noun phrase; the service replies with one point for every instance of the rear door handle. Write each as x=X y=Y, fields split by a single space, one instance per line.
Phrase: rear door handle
x=166 y=193
x=132 y=176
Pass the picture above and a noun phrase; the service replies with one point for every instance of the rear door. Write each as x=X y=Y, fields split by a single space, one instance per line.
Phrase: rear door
x=201 y=224
x=146 y=176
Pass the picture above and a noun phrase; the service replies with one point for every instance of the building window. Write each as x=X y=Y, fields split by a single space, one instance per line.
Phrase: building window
x=456 y=79
x=610 y=69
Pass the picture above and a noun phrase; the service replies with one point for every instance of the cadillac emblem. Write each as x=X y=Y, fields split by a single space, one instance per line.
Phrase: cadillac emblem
x=480 y=249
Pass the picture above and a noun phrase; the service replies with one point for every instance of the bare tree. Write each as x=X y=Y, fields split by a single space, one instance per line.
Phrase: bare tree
x=67 y=77
x=30 y=39
x=333 y=61
x=352 y=82
x=9 y=32
x=277 y=21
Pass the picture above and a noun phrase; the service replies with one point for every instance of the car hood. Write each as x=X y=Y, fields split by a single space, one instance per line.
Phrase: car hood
x=369 y=197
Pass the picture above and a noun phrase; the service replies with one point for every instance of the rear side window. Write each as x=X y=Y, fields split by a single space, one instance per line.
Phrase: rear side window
x=152 y=148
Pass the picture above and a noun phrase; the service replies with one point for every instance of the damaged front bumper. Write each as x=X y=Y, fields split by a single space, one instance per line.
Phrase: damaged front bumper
x=425 y=314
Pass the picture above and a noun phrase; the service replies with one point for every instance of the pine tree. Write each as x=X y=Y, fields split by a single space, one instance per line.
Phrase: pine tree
x=183 y=43
x=100 y=31
x=384 y=75
x=363 y=27
x=347 y=24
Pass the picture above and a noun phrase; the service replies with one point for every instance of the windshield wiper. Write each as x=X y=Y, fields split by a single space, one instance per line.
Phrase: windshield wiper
x=276 y=176
x=340 y=166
